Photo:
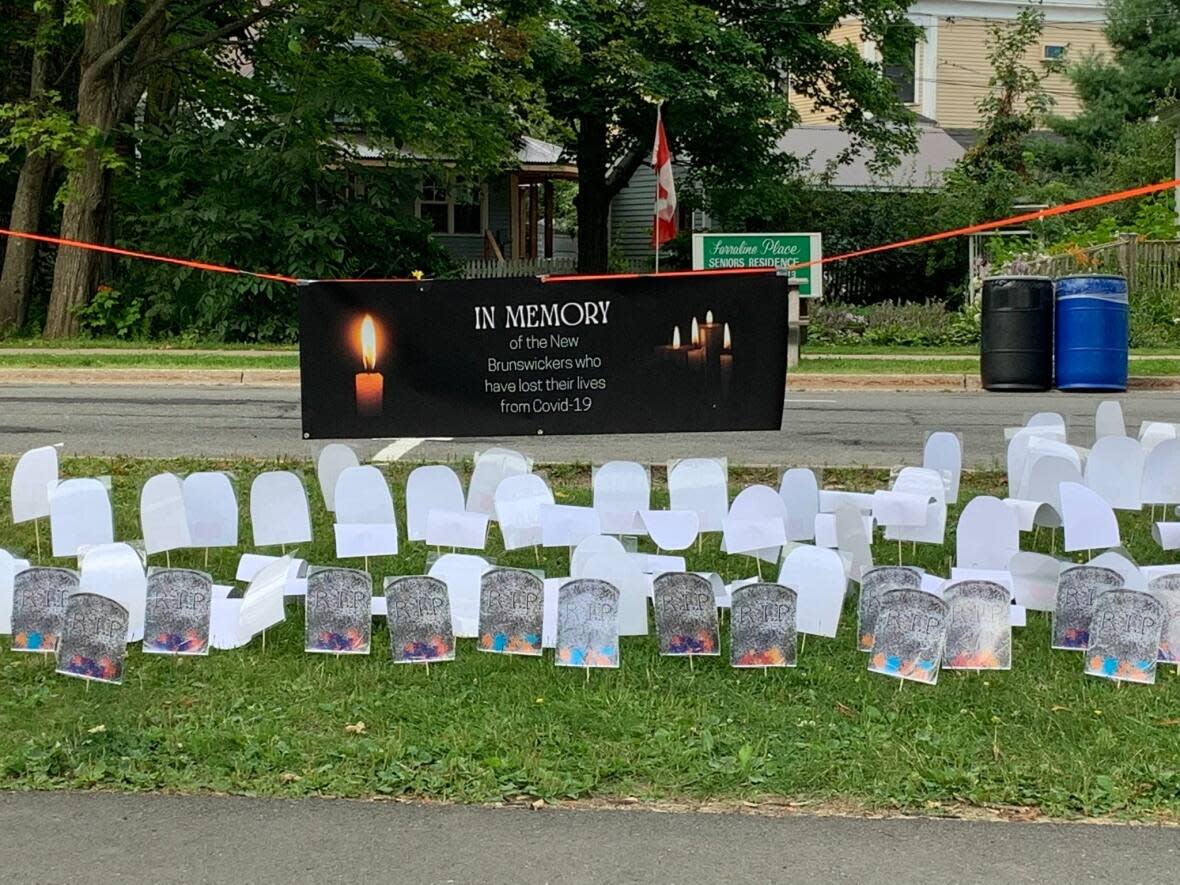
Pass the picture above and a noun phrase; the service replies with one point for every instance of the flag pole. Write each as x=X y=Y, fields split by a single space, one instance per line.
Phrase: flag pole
x=654 y=168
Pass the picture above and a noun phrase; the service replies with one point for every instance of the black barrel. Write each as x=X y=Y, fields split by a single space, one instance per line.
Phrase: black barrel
x=1016 y=334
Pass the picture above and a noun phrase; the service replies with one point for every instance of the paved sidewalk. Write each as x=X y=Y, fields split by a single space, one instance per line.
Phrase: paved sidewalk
x=95 y=837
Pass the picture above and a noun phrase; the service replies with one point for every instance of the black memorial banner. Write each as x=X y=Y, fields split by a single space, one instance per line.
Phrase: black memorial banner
x=526 y=356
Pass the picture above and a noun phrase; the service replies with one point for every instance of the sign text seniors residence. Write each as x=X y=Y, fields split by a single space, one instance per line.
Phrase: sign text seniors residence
x=725 y=251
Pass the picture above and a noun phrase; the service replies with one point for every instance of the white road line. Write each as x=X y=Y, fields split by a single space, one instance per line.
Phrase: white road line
x=789 y=400
x=398 y=449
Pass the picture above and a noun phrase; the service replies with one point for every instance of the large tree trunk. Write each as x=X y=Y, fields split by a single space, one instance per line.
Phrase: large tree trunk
x=16 y=281
x=592 y=201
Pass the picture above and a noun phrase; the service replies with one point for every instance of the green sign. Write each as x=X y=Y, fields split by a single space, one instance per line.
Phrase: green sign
x=721 y=251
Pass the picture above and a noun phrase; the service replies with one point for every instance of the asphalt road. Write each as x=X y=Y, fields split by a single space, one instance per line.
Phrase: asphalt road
x=819 y=429
x=71 y=837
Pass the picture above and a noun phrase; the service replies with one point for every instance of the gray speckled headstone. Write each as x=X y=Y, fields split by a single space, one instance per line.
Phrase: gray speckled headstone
x=1077 y=588
x=762 y=626
x=910 y=636
x=1167 y=590
x=979 y=627
x=176 y=619
x=587 y=624
x=419 y=615
x=338 y=612
x=873 y=584
x=511 y=612
x=38 y=606
x=1125 y=636
x=686 y=614
x=93 y=638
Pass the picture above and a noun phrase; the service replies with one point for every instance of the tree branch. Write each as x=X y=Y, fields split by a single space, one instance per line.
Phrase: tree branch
x=620 y=176
x=151 y=15
x=214 y=35
x=174 y=24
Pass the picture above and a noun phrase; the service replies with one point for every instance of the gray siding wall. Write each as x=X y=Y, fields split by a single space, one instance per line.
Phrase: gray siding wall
x=631 y=215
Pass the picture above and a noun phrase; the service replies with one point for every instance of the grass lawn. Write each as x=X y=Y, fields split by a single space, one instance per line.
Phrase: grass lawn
x=161 y=360
x=963 y=366
x=133 y=344
x=489 y=728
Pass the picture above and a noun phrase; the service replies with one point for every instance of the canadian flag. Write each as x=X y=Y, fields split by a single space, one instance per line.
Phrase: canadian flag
x=664 y=228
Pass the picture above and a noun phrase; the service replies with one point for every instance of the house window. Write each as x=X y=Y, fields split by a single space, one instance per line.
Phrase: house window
x=899 y=61
x=1053 y=52
x=457 y=209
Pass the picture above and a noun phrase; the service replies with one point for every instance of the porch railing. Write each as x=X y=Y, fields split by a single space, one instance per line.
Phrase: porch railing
x=491 y=268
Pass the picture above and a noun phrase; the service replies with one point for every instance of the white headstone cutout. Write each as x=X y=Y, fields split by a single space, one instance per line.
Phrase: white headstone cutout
x=35 y=473
x=1046 y=419
x=333 y=460
x=1030 y=514
x=7 y=574
x=1115 y=471
x=595 y=546
x=1161 y=474
x=491 y=468
x=116 y=572
x=818 y=577
x=1120 y=561
x=1108 y=419
x=622 y=490
x=462 y=573
x=1046 y=475
x=433 y=487
x=365 y=521
x=825 y=529
x=1167 y=535
x=988 y=535
x=518 y=503
x=563 y=525
x=80 y=516
x=457 y=528
x=1018 y=450
x=633 y=585
x=944 y=454
x=278 y=509
x=799 y=490
x=700 y=484
x=262 y=603
x=756 y=523
x=1090 y=522
x=852 y=539
x=1152 y=433
x=830 y=499
x=211 y=508
x=892 y=508
x=671 y=529
x=1034 y=580
x=162 y=516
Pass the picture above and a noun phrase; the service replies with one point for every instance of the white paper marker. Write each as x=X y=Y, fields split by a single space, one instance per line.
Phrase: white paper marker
x=1018 y=452
x=365 y=520
x=1167 y=535
x=1121 y=562
x=825 y=530
x=224 y=624
x=671 y=529
x=518 y=503
x=1152 y=433
x=633 y=585
x=457 y=528
x=462 y=573
x=262 y=603
x=333 y=460
x=988 y=534
x=278 y=509
x=1161 y=474
x=593 y=546
x=79 y=516
x=756 y=523
x=852 y=539
x=799 y=490
x=211 y=508
x=1115 y=471
x=1090 y=523
x=116 y=572
x=7 y=574
x=434 y=486
x=35 y=473
x=943 y=453
x=563 y=525
x=162 y=516
x=622 y=490
x=818 y=577
x=1108 y=419
x=491 y=468
x=700 y=485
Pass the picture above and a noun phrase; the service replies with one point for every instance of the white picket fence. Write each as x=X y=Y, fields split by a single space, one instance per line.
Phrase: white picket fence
x=490 y=268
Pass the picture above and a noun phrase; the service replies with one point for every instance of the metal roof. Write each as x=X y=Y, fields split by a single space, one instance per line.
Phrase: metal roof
x=818 y=147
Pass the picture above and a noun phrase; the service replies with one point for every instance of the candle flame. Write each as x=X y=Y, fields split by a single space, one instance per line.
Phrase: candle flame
x=727 y=343
x=675 y=336
x=696 y=332
x=709 y=316
x=368 y=343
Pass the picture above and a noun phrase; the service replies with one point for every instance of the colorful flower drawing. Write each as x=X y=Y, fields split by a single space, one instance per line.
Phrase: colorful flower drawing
x=348 y=641
x=866 y=642
x=103 y=669
x=770 y=657
x=604 y=656
x=34 y=641
x=433 y=649
x=701 y=644
x=529 y=644
x=191 y=642
x=1075 y=637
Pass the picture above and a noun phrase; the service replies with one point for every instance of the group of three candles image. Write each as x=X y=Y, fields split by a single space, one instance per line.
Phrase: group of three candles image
x=709 y=351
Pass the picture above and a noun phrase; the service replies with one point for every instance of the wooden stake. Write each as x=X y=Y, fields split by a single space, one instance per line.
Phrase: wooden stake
x=167 y=559
x=264 y=642
x=206 y=559
x=802 y=643
x=37 y=529
x=758 y=560
x=899 y=552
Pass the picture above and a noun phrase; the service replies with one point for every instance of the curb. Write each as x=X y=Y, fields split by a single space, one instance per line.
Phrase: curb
x=802 y=382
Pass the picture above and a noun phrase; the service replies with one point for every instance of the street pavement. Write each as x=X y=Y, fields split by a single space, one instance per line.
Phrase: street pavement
x=873 y=428
x=97 y=837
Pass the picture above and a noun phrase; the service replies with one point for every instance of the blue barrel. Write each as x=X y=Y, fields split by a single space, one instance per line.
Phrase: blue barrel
x=1093 y=330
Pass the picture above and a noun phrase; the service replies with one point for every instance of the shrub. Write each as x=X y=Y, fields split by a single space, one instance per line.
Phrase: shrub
x=929 y=324
x=1155 y=318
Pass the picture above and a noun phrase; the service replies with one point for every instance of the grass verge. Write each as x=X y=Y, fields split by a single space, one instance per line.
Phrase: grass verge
x=487 y=728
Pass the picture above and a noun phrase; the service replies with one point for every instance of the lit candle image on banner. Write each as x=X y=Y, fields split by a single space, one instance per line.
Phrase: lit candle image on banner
x=696 y=353
x=370 y=384
x=711 y=344
x=674 y=353
x=726 y=363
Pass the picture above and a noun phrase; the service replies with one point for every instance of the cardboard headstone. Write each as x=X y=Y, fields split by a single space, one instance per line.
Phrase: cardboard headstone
x=910 y=636
x=1088 y=518
x=1046 y=475
x=365 y=521
x=178 y=613
x=819 y=579
x=279 y=512
x=686 y=615
x=333 y=460
x=700 y=485
x=211 y=508
x=116 y=571
x=852 y=539
x=511 y=612
x=1045 y=419
x=1077 y=588
x=1125 y=635
x=419 y=615
x=762 y=626
x=80 y=516
x=1115 y=471
x=633 y=586
x=874 y=584
x=492 y=466
x=38 y=605
x=338 y=610
x=225 y=624
x=565 y=525
x=988 y=535
x=756 y=523
x=1152 y=433
x=462 y=574
x=1108 y=419
x=1166 y=534
x=979 y=629
x=1166 y=589
x=799 y=490
x=1018 y=453
x=432 y=487
x=7 y=576
x=587 y=624
x=262 y=603
x=162 y=516
x=622 y=490
x=671 y=529
x=1119 y=560
x=594 y=546
x=1034 y=580
x=32 y=478
x=1161 y=474
x=457 y=528
x=943 y=453
x=93 y=638
x=518 y=502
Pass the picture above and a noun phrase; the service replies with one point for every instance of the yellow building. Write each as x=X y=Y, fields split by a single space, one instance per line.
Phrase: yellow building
x=950 y=69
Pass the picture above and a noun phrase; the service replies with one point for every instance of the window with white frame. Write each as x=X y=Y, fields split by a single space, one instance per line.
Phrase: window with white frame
x=1053 y=52
x=455 y=206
